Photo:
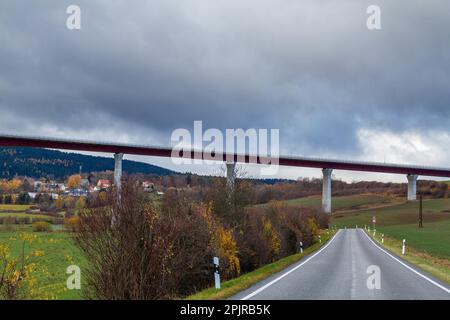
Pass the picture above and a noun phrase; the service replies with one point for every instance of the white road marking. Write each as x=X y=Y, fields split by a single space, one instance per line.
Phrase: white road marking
x=408 y=267
x=352 y=249
x=288 y=272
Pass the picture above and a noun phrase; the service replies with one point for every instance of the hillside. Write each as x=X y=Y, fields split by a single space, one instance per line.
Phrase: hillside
x=36 y=163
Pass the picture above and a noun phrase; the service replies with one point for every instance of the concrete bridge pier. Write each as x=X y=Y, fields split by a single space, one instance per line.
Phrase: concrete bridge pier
x=326 y=190
x=118 y=157
x=231 y=166
x=412 y=186
x=117 y=185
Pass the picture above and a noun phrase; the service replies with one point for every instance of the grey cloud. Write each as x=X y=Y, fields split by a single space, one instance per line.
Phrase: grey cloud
x=310 y=68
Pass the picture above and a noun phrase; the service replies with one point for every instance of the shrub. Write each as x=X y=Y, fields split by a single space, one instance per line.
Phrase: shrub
x=127 y=247
x=23 y=198
x=192 y=244
x=41 y=226
x=8 y=223
x=227 y=252
x=72 y=224
x=137 y=250
x=274 y=231
x=261 y=242
x=7 y=199
x=23 y=220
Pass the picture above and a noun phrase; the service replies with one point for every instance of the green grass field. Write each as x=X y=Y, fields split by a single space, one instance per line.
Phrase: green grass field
x=405 y=213
x=338 y=203
x=25 y=215
x=400 y=221
x=434 y=238
x=18 y=211
x=59 y=253
x=14 y=207
x=352 y=202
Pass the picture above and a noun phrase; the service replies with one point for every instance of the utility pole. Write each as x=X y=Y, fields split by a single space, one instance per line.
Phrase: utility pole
x=420 y=211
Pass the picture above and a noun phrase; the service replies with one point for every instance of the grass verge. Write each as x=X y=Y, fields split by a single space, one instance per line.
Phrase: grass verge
x=437 y=266
x=236 y=285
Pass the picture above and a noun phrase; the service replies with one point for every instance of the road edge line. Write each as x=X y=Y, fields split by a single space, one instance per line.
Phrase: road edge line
x=408 y=267
x=254 y=293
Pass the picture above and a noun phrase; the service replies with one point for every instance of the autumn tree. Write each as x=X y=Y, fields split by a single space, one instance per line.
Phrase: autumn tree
x=74 y=181
x=80 y=204
x=10 y=186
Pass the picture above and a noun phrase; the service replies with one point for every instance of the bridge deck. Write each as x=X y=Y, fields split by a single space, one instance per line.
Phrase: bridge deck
x=293 y=161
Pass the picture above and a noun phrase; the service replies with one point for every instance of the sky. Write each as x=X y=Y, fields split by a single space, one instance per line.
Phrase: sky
x=138 y=70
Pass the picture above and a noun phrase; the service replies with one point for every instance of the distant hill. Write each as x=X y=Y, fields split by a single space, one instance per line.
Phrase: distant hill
x=37 y=163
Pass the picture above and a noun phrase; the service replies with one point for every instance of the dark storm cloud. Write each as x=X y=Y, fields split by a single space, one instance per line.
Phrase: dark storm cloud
x=310 y=68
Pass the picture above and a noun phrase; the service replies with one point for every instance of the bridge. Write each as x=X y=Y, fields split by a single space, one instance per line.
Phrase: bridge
x=412 y=172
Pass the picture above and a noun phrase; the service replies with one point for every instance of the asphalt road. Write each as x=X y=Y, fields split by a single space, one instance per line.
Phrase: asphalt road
x=339 y=271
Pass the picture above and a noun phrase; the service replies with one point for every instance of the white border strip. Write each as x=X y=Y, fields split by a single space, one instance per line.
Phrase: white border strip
x=408 y=267
x=288 y=272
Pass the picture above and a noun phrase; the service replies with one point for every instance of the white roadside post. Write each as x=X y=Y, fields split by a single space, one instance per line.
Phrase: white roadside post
x=403 y=247
x=382 y=238
x=320 y=239
x=216 y=272
x=301 y=247
x=374 y=232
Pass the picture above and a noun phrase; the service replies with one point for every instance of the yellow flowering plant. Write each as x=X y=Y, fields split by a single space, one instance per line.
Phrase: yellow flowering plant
x=18 y=273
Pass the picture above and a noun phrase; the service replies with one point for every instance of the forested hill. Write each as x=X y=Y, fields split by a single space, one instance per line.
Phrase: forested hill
x=37 y=163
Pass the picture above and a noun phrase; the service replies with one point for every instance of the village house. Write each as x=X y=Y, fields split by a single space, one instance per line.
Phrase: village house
x=103 y=184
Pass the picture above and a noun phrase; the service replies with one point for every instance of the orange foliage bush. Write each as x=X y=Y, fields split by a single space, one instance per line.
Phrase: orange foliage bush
x=72 y=224
x=227 y=252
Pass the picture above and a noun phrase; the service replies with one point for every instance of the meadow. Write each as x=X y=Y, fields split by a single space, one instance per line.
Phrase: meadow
x=58 y=252
x=344 y=202
x=56 y=249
